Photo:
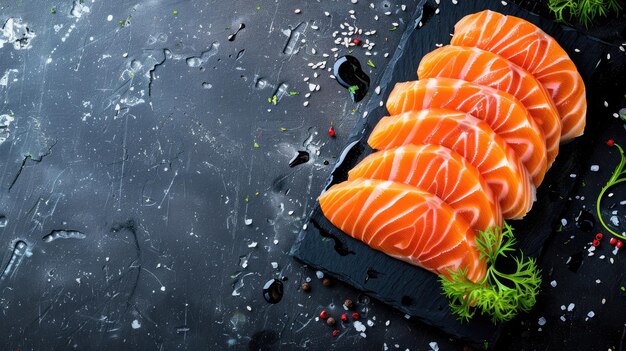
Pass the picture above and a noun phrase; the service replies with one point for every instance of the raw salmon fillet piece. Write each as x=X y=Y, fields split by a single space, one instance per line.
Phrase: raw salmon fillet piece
x=403 y=222
x=529 y=47
x=502 y=111
x=441 y=172
x=488 y=69
x=471 y=138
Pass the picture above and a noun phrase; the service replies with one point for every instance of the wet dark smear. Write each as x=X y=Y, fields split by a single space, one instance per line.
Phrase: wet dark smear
x=406 y=300
x=263 y=340
x=340 y=246
x=234 y=35
x=575 y=261
x=300 y=158
x=371 y=274
x=273 y=291
x=347 y=70
x=585 y=221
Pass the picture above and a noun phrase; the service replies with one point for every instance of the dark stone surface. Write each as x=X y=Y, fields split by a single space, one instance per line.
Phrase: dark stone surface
x=131 y=167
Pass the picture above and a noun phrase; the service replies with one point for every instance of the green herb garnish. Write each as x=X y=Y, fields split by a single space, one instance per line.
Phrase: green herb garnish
x=584 y=11
x=124 y=23
x=371 y=63
x=258 y=8
x=175 y=12
x=293 y=93
x=618 y=176
x=53 y=10
x=499 y=295
x=282 y=129
x=256 y=145
x=394 y=28
x=353 y=89
x=272 y=100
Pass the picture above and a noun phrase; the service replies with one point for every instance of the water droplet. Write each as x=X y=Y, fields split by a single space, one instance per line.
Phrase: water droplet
x=193 y=61
x=182 y=330
x=206 y=85
x=300 y=158
x=3 y=221
x=292 y=46
x=273 y=291
x=347 y=70
x=63 y=234
x=260 y=83
x=240 y=54
x=19 y=251
x=234 y=35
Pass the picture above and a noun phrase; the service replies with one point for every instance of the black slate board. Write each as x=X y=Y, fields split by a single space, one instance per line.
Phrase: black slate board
x=413 y=290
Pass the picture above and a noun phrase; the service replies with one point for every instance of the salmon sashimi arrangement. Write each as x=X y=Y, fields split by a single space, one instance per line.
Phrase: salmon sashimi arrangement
x=503 y=112
x=471 y=138
x=441 y=172
x=405 y=222
x=529 y=47
x=488 y=69
x=464 y=149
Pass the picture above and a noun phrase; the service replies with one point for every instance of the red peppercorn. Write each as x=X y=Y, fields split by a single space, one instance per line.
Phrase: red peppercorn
x=599 y=236
x=336 y=332
x=619 y=244
x=344 y=317
x=596 y=242
x=356 y=41
x=331 y=132
x=610 y=142
x=356 y=315
x=613 y=241
x=323 y=314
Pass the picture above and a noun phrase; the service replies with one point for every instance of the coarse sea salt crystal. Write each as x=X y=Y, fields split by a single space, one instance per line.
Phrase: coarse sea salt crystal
x=594 y=168
x=571 y=306
x=563 y=221
x=553 y=283
x=541 y=321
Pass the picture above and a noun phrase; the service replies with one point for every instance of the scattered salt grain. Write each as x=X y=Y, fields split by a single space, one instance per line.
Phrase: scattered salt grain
x=433 y=346
x=503 y=3
x=387 y=323
x=437 y=11
x=577 y=50
x=606 y=104
x=598 y=281
x=319 y=274
x=564 y=221
x=354 y=1
x=370 y=323
x=297 y=11
x=614 y=220
x=274 y=265
x=594 y=168
x=541 y=321
x=403 y=7
x=573 y=175
x=326 y=13
x=253 y=244
x=305 y=104
x=553 y=283
x=591 y=314
x=275 y=242
x=563 y=307
x=377 y=90
x=603 y=301
x=249 y=308
x=571 y=306
x=562 y=318
x=360 y=327
x=248 y=221
x=608 y=56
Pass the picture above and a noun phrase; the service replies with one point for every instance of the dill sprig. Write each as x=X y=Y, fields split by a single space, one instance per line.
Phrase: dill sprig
x=618 y=176
x=584 y=11
x=499 y=295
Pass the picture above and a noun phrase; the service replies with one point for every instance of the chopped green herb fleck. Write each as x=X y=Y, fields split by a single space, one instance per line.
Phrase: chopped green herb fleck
x=175 y=12
x=371 y=63
x=132 y=74
x=353 y=110
x=29 y=155
x=394 y=28
x=256 y=145
x=258 y=8
x=246 y=199
x=622 y=288
x=283 y=129
x=257 y=193
x=272 y=100
x=350 y=51
x=294 y=93
x=53 y=10
x=353 y=89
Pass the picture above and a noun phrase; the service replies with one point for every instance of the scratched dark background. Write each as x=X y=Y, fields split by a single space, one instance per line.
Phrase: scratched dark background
x=145 y=188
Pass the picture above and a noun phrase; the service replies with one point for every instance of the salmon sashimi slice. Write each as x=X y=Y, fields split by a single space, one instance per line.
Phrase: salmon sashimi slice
x=471 y=138
x=404 y=222
x=529 y=47
x=488 y=69
x=502 y=111
x=441 y=172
